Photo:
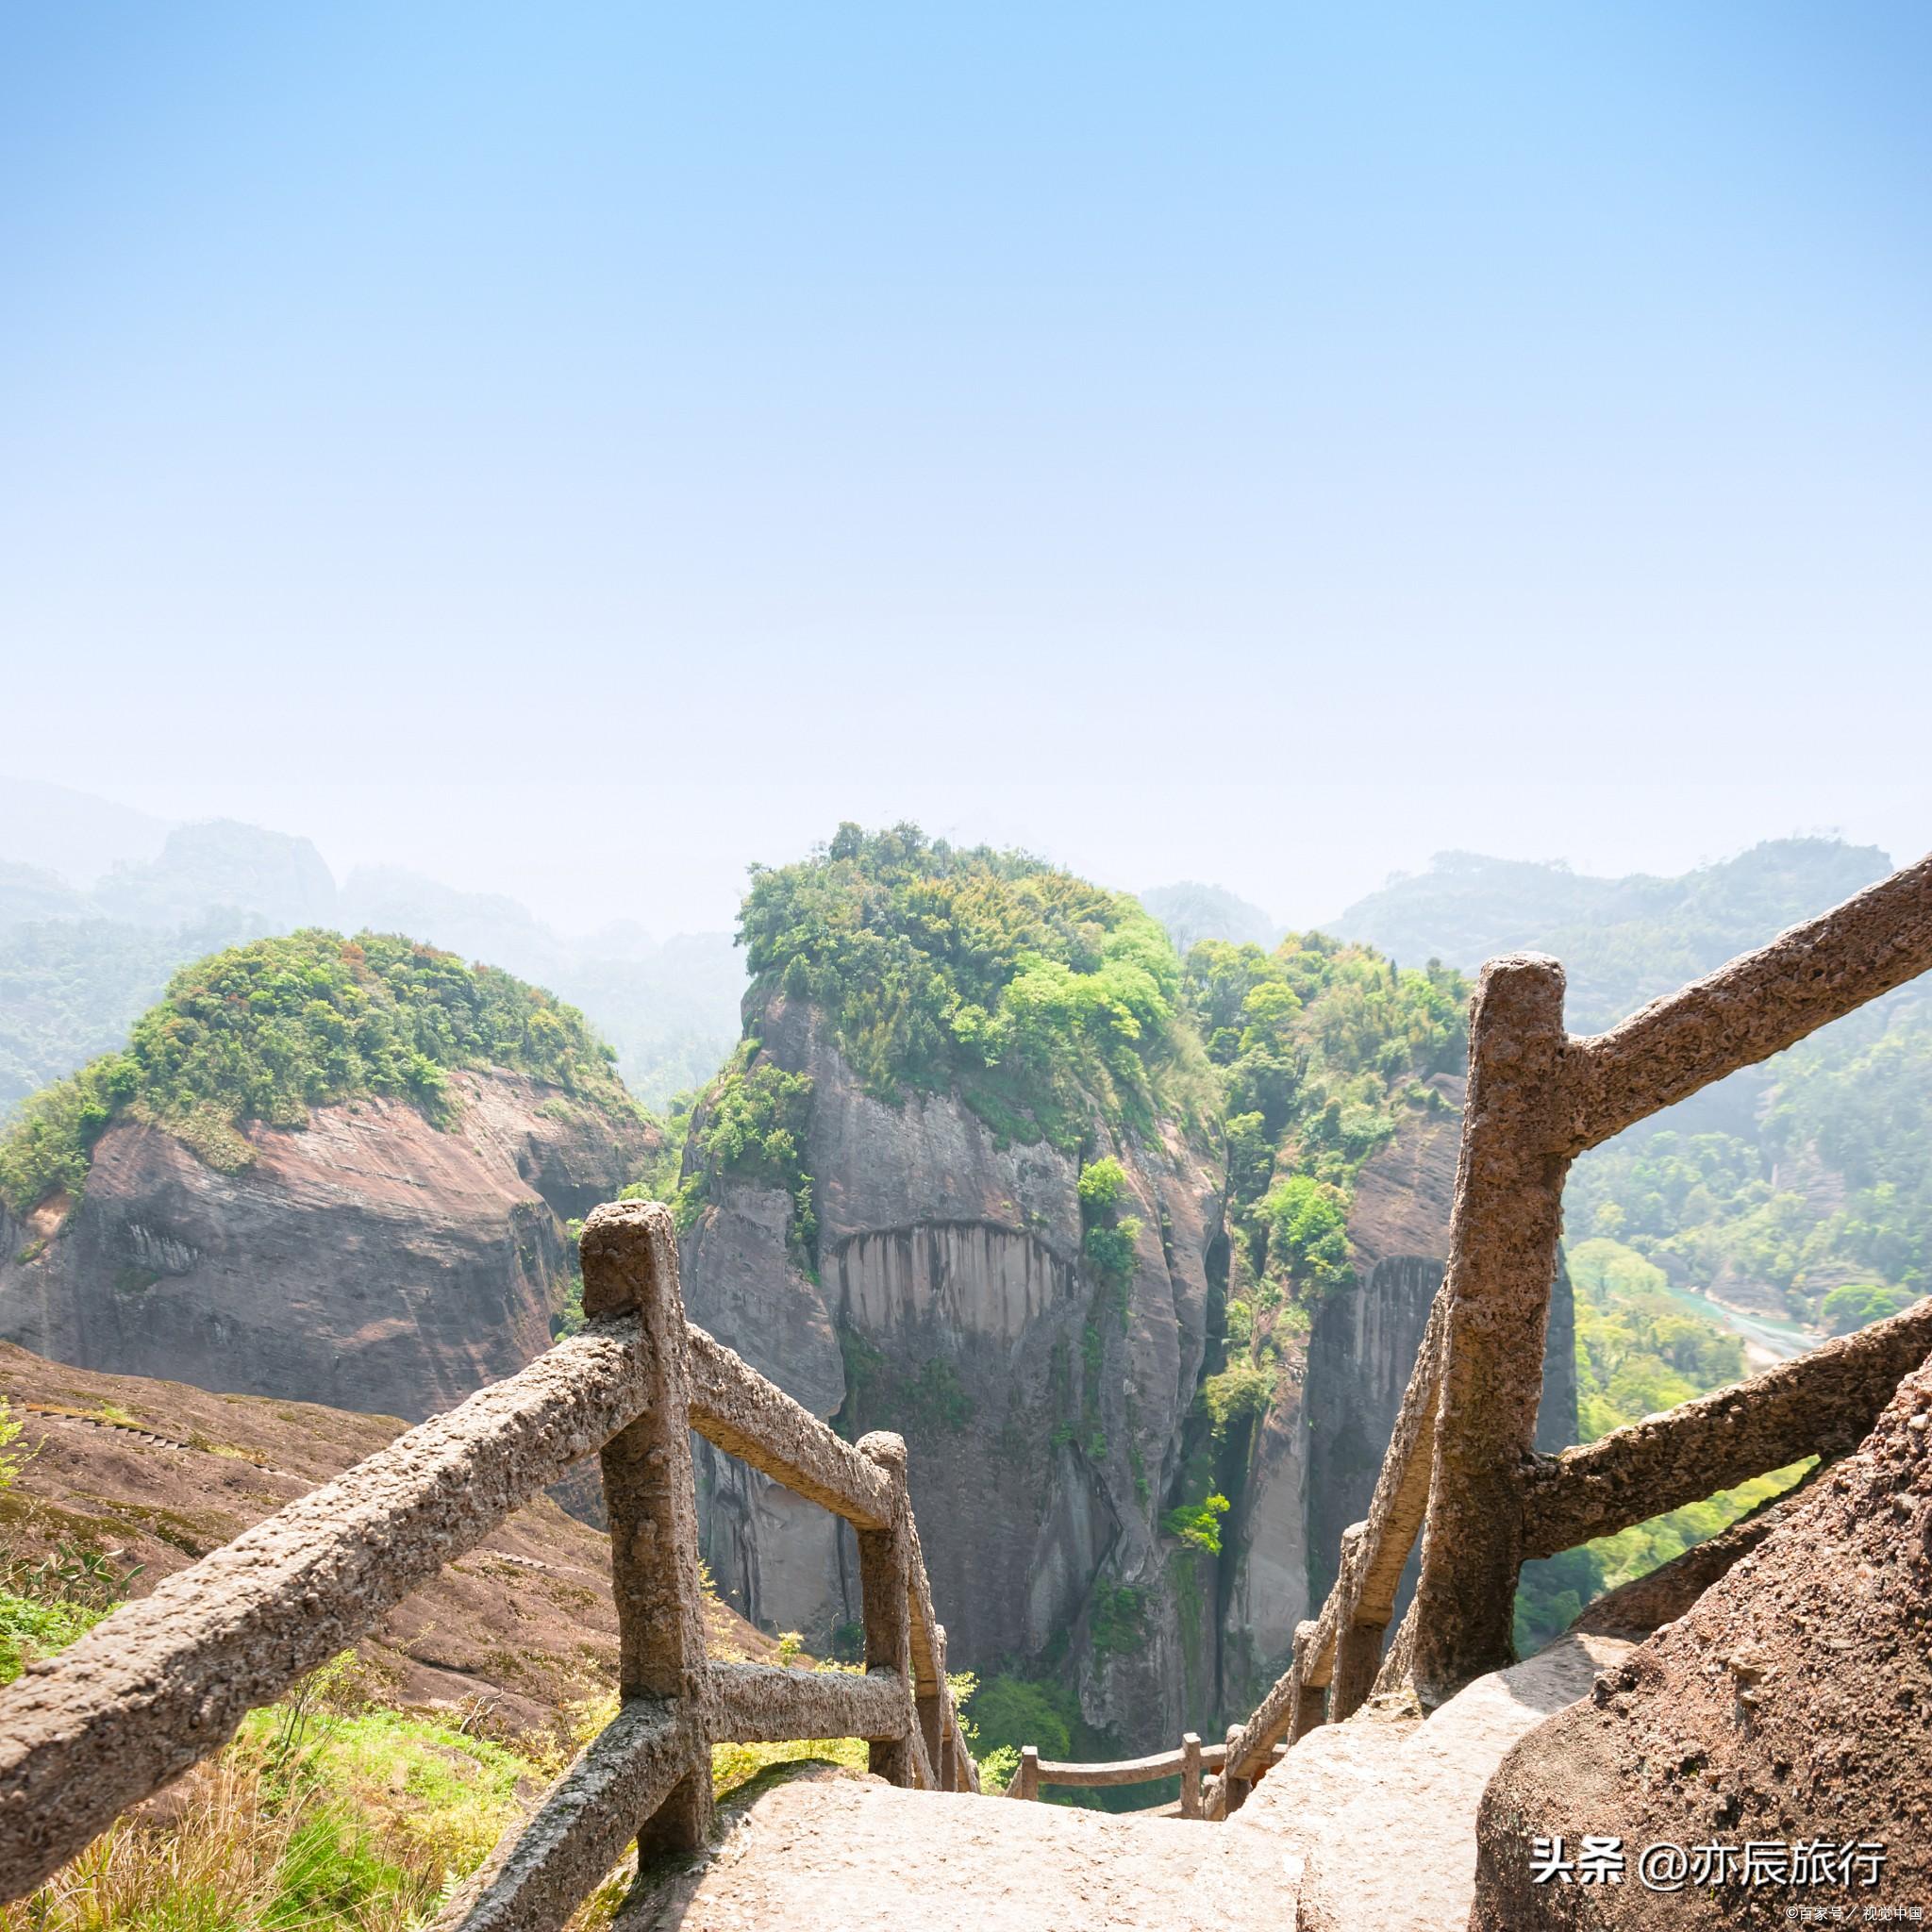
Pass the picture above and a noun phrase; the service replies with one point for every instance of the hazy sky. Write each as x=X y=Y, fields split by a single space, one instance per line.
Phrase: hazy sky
x=577 y=450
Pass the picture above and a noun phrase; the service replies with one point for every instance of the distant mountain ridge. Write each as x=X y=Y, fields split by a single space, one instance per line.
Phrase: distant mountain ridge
x=84 y=952
x=1808 y=1174
x=1192 y=912
x=1623 y=941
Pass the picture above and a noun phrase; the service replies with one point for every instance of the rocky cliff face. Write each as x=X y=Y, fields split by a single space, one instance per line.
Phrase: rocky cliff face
x=368 y=1260
x=1361 y=1350
x=1046 y=1411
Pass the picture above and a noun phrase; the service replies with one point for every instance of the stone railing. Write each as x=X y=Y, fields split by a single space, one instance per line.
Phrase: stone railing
x=1189 y=1761
x=1460 y=1470
x=163 y=1683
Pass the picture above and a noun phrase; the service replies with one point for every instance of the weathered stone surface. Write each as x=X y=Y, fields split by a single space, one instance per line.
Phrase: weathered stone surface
x=1363 y=1342
x=368 y=1261
x=629 y=1250
x=524 y=1625
x=763 y=1704
x=862 y=1857
x=751 y=1418
x=1382 y=1810
x=543 y=1869
x=1502 y=1259
x=1790 y=1703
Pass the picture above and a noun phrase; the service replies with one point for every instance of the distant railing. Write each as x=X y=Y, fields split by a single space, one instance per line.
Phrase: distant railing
x=1187 y=1762
x=163 y=1683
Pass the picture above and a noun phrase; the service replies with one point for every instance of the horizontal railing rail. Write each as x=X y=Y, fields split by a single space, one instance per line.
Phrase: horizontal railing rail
x=1822 y=1403
x=165 y=1682
x=1188 y=1760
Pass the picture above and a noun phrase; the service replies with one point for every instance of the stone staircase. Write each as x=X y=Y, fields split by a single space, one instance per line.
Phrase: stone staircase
x=1367 y=1822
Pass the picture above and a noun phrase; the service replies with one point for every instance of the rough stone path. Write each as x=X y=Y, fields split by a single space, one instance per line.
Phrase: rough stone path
x=858 y=1856
x=1371 y=1823
x=1379 y=1813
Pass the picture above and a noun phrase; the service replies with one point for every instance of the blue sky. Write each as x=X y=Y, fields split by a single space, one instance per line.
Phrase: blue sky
x=579 y=450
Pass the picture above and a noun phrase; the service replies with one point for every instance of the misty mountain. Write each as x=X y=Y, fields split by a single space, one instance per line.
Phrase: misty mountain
x=73 y=834
x=82 y=954
x=1192 y=912
x=1623 y=941
x=1789 y=1186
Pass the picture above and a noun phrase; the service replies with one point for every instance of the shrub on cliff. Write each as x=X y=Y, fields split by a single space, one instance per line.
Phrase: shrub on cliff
x=267 y=1031
x=1040 y=995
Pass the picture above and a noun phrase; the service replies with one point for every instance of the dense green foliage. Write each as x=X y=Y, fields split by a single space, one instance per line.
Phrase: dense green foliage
x=1831 y=1187
x=1198 y=1524
x=1321 y=1046
x=1638 y=1352
x=1039 y=995
x=266 y=1031
x=1856 y=1303
x=751 y=1124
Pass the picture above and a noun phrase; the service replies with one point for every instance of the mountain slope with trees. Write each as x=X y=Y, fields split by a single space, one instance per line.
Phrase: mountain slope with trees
x=335 y=1169
x=1807 y=1178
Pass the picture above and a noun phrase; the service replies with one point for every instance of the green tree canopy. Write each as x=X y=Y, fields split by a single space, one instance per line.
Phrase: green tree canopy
x=1039 y=994
x=267 y=1031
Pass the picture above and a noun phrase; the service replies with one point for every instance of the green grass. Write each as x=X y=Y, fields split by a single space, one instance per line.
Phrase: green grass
x=29 y=1630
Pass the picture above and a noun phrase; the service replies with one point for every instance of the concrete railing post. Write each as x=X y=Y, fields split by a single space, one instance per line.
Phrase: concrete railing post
x=1358 y=1659
x=1236 y=1788
x=1190 y=1774
x=885 y=1583
x=933 y=1727
x=1358 y=1640
x=1026 y=1779
x=629 y=1252
x=1503 y=1237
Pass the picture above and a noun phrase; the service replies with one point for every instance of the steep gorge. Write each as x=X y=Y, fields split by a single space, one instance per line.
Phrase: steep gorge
x=1046 y=1408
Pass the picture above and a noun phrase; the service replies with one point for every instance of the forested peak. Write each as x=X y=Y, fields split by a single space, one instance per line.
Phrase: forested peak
x=268 y=1031
x=1038 y=991
x=1621 y=941
x=1335 y=1001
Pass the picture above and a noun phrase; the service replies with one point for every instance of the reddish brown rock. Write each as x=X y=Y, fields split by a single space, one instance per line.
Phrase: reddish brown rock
x=368 y=1260
x=1791 y=1702
x=155 y=1474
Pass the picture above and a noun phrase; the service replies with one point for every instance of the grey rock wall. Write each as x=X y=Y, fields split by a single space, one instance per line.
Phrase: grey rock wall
x=1045 y=1412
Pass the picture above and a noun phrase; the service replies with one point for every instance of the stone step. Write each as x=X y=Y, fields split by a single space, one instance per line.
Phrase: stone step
x=1381 y=1813
x=849 y=1855
x=1369 y=1823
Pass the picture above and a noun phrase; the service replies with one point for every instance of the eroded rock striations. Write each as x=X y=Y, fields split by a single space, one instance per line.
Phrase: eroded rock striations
x=1046 y=1411
x=368 y=1260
